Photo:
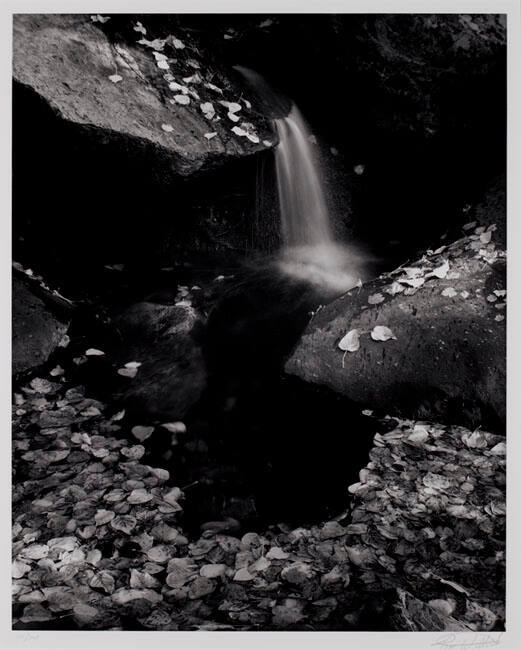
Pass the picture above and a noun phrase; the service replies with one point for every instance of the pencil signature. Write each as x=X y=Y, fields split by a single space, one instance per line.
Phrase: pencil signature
x=464 y=640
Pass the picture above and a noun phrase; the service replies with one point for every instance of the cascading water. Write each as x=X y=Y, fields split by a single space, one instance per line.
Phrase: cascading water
x=310 y=250
x=303 y=210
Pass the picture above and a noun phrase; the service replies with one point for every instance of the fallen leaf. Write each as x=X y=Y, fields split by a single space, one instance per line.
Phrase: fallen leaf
x=382 y=333
x=213 y=87
x=142 y=433
x=128 y=372
x=167 y=127
x=103 y=580
x=103 y=517
x=412 y=282
x=350 y=342
x=375 y=299
x=449 y=292
x=179 y=45
x=184 y=100
x=115 y=78
x=124 y=524
x=138 y=496
x=209 y=136
x=485 y=237
x=156 y=44
x=440 y=271
x=163 y=65
x=276 y=553
x=174 y=427
x=395 y=288
x=99 y=19
x=138 y=27
x=232 y=107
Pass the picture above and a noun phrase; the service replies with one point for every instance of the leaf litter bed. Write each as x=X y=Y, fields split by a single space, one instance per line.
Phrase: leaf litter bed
x=99 y=541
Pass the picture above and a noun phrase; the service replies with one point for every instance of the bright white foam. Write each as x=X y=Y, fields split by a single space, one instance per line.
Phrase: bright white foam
x=331 y=266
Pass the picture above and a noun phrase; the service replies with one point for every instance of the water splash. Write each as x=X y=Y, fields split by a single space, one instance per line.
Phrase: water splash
x=310 y=250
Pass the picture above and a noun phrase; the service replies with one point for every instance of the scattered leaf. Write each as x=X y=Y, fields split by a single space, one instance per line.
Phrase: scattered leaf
x=449 y=292
x=115 y=78
x=382 y=333
x=375 y=299
x=175 y=427
x=184 y=100
x=167 y=127
x=350 y=342
x=142 y=433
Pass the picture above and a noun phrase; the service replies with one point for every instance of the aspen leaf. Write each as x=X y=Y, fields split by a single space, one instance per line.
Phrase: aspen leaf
x=208 y=110
x=375 y=299
x=440 y=271
x=382 y=333
x=175 y=427
x=128 y=372
x=184 y=100
x=412 y=282
x=156 y=44
x=350 y=342
x=449 y=292
x=142 y=433
x=93 y=352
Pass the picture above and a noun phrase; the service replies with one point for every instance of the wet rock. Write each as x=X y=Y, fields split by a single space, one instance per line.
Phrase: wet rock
x=434 y=347
x=69 y=62
x=37 y=328
x=172 y=374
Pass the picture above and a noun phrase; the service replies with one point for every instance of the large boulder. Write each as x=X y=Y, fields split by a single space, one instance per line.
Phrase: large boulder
x=38 y=327
x=172 y=374
x=446 y=353
x=122 y=92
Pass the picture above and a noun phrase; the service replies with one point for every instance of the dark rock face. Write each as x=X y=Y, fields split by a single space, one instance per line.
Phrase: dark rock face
x=69 y=62
x=37 y=329
x=172 y=375
x=447 y=359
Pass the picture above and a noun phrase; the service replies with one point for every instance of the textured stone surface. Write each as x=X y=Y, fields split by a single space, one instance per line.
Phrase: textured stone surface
x=447 y=359
x=36 y=329
x=68 y=61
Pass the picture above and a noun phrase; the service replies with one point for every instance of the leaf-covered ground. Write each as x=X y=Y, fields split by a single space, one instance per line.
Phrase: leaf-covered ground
x=97 y=542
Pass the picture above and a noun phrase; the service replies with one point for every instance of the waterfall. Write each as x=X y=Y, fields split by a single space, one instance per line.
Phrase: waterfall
x=310 y=249
x=303 y=211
